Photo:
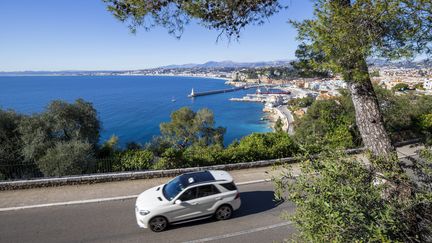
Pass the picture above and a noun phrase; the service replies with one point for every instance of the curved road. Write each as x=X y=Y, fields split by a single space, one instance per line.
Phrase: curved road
x=258 y=220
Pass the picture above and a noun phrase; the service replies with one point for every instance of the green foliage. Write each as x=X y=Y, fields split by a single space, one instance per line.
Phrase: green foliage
x=426 y=121
x=400 y=87
x=37 y=138
x=374 y=73
x=278 y=126
x=10 y=142
x=347 y=32
x=403 y=113
x=338 y=199
x=170 y=159
x=72 y=121
x=109 y=147
x=135 y=160
x=419 y=86
x=67 y=158
x=61 y=122
x=308 y=58
x=133 y=146
x=158 y=145
x=261 y=146
x=331 y=123
x=227 y=16
x=426 y=127
x=188 y=127
x=203 y=155
x=301 y=102
x=328 y=123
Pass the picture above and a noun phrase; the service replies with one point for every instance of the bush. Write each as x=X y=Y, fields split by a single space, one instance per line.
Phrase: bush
x=135 y=160
x=400 y=87
x=203 y=156
x=170 y=159
x=426 y=127
x=328 y=123
x=67 y=158
x=260 y=146
x=338 y=199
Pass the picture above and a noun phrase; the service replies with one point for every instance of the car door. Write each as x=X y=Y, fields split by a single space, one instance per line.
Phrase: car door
x=207 y=199
x=187 y=209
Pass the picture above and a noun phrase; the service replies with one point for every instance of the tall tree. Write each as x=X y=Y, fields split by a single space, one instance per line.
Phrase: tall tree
x=347 y=32
x=187 y=128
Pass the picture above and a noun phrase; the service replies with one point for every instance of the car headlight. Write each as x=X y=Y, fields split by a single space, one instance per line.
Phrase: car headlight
x=144 y=212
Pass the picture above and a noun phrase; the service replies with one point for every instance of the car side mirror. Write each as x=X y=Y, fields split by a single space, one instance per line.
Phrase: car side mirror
x=178 y=201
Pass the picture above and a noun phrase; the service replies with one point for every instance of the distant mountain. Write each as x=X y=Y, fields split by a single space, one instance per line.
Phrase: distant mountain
x=228 y=64
x=425 y=63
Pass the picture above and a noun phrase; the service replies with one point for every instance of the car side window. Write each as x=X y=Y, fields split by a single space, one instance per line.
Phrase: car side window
x=189 y=194
x=229 y=186
x=207 y=190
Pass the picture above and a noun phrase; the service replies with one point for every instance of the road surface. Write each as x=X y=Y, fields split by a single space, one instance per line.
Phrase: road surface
x=289 y=118
x=258 y=220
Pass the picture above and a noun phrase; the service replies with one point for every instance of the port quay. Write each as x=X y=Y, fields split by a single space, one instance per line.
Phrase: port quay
x=195 y=94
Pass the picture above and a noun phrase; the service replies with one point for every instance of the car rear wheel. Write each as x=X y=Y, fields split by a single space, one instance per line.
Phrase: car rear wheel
x=158 y=224
x=224 y=212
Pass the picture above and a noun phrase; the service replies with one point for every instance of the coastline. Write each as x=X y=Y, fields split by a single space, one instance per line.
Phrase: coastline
x=186 y=76
x=273 y=113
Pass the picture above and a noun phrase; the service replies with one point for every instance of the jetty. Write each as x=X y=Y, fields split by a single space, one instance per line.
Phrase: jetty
x=218 y=91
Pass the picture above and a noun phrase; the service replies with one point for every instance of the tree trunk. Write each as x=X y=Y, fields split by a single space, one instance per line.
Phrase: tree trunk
x=368 y=117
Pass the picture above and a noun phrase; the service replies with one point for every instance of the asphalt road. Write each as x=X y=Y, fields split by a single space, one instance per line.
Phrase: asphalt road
x=258 y=220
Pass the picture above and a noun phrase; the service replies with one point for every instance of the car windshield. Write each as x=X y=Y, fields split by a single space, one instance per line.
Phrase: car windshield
x=172 y=188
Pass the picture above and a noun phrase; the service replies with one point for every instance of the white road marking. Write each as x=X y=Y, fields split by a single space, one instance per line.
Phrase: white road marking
x=252 y=182
x=244 y=232
x=98 y=200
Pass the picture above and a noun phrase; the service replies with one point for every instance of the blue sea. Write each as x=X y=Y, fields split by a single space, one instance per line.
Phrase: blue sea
x=132 y=107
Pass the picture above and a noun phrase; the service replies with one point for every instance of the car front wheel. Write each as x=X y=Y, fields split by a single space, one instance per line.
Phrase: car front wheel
x=158 y=224
x=223 y=212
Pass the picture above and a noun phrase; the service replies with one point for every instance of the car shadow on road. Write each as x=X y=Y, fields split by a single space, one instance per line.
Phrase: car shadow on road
x=253 y=202
x=256 y=202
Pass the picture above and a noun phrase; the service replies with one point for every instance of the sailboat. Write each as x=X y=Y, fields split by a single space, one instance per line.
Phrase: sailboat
x=173 y=99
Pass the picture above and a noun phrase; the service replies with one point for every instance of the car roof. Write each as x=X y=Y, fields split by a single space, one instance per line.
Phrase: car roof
x=199 y=177
x=221 y=175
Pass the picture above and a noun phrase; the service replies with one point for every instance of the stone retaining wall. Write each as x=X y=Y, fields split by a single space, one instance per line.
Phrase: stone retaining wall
x=107 y=177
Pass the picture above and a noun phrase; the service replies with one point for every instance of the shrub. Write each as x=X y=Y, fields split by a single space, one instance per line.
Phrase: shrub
x=328 y=123
x=135 y=160
x=203 y=156
x=67 y=158
x=339 y=199
x=171 y=158
x=259 y=146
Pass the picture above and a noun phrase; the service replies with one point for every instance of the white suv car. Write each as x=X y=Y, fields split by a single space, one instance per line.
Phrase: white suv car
x=188 y=197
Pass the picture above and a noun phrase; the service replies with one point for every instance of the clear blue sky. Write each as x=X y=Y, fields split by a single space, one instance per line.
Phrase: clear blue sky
x=82 y=35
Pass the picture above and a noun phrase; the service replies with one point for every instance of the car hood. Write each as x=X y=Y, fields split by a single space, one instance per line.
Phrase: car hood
x=151 y=198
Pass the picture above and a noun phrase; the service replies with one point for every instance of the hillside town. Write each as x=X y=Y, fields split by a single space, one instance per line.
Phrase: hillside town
x=278 y=92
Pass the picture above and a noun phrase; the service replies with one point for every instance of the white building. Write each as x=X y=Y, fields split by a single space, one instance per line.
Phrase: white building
x=427 y=84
